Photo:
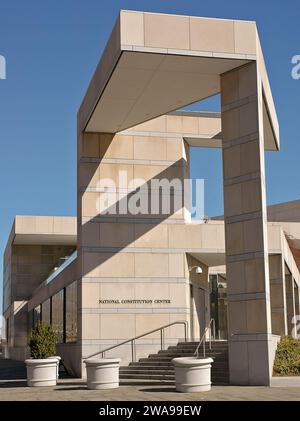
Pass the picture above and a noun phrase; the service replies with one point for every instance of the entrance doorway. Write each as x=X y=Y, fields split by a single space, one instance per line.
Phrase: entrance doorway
x=218 y=304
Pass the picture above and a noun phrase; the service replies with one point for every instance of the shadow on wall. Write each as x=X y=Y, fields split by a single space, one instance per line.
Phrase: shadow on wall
x=111 y=244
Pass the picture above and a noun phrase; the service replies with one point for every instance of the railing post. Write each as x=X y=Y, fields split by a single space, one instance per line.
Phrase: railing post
x=161 y=339
x=204 y=353
x=185 y=332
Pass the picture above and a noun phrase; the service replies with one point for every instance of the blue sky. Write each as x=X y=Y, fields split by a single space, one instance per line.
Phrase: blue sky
x=52 y=48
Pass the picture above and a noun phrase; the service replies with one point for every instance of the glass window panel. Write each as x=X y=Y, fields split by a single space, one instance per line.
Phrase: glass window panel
x=58 y=315
x=36 y=315
x=71 y=312
x=46 y=312
x=30 y=322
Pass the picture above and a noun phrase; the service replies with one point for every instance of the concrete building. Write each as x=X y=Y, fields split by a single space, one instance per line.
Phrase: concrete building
x=122 y=270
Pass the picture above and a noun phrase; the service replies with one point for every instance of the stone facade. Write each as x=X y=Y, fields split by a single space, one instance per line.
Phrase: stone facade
x=136 y=271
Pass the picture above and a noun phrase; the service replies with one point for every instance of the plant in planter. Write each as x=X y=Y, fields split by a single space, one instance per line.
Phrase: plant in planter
x=287 y=357
x=42 y=366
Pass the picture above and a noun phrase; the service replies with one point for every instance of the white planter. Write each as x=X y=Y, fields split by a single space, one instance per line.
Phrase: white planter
x=58 y=358
x=41 y=372
x=192 y=374
x=102 y=373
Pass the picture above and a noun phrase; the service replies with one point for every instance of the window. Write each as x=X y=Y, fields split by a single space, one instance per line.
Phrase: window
x=60 y=311
x=46 y=311
x=36 y=315
x=7 y=333
x=58 y=315
x=71 y=313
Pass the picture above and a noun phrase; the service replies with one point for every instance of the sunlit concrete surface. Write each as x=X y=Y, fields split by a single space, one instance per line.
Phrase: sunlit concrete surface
x=13 y=388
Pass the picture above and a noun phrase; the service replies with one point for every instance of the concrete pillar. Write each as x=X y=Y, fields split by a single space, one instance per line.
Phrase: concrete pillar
x=246 y=227
x=290 y=301
x=124 y=256
x=277 y=292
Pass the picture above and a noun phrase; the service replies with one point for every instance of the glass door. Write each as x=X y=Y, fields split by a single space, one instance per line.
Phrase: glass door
x=218 y=304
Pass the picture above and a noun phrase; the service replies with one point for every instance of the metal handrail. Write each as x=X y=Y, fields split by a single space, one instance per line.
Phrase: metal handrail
x=132 y=340
x=202 y=340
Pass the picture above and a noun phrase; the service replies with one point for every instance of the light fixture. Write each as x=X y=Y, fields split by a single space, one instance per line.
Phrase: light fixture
x=198 y=269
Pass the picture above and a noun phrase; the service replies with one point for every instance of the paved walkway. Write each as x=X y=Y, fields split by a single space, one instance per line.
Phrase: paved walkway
x=13 y=387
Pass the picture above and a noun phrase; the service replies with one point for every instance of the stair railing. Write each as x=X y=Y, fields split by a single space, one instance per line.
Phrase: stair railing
x=133 y=340
x=211 y=327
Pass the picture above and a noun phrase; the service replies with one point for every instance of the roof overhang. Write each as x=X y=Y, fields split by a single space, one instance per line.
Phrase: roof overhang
x=210 y=258
x=45 y=239
x=154 y=64
x=44 y=230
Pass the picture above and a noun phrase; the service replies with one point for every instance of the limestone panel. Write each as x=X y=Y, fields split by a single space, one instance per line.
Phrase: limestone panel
x=117 y=265
x=132 y=28
x=116 y=147
x=90 y=145
x=176 y=265
x=245 y=37
x=151 y=235
x=90 y=326
x=117 y=326
x=150 y=148
x=166 y=31
x=116 y=234
x=90 y=295
x=151 y=321
x=151 y=265
x=212 y=35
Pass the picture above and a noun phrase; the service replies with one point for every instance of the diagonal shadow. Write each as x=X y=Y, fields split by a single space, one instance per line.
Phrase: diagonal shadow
x=140 y=223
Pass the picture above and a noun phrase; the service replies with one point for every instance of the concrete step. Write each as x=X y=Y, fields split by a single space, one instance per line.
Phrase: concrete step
x=159 y=367
x=214 y=374
x=167 y=377
x=147 y=376
x=216 y=343
x=145 y=371
x=158 y=363
x=192 y=351
x=189 y=347
x=169 y=357
x=147 y=382
x=217 y=371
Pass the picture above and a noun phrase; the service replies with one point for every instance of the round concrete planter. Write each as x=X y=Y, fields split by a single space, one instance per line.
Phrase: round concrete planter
x=103 y=373
x=41 y=372
x=58 y=358
x=192 y=374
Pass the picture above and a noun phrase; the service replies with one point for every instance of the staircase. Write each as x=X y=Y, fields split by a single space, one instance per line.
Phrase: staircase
x=159 y=368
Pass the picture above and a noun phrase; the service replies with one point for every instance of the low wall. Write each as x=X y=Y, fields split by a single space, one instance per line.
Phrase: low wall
x=71 y=356
x=18 y=353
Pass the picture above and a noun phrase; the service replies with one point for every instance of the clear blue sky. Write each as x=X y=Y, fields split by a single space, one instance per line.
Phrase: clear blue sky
x=52 y=48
